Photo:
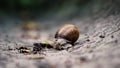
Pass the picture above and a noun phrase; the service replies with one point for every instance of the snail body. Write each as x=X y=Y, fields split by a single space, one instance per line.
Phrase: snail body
x=68 y=32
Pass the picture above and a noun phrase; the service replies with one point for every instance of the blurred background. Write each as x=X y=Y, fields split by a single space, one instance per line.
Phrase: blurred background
x=56 y=12
x=45 y=8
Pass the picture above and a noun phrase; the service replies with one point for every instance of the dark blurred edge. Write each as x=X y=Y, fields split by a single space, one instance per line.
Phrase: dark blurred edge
x=61 y=9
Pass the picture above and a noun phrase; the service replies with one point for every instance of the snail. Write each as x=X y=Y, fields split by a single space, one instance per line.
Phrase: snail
x=65 y=37
x=68 y=32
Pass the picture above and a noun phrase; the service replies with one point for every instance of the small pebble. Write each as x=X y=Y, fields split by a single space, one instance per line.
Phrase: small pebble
x=88 y=40
x=82 y=59
x=112 y=36
x=102 y=36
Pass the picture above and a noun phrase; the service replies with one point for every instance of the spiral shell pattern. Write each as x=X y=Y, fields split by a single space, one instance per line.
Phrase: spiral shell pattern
x=68 y=32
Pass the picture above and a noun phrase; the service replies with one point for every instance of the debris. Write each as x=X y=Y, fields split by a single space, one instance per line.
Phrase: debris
x=60 y=44
x=24 y=50
x=35 y=57
x=102 y=36
x=43 y=45
x=83 y=59
x=112 y=36
x=22 y=47
x=88 y=40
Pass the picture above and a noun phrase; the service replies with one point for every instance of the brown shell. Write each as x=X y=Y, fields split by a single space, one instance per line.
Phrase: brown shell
x=69 y=32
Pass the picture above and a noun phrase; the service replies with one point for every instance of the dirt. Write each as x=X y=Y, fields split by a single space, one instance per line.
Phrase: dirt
x=97 y=47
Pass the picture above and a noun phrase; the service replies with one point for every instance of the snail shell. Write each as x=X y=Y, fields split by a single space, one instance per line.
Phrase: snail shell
x=68 y=32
